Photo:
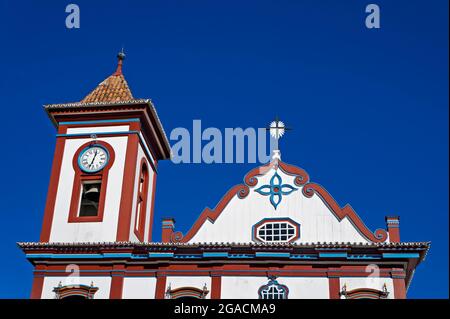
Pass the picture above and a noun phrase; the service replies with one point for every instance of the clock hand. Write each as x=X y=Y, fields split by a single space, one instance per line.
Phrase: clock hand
x=93 y=158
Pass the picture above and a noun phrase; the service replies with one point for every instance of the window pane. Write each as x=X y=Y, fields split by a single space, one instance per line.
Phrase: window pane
x=90 y=197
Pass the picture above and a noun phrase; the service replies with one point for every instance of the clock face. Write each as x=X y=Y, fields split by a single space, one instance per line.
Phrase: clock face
x=93 y=159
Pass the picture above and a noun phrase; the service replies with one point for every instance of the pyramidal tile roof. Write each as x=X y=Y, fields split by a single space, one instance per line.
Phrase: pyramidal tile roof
x=113 y=89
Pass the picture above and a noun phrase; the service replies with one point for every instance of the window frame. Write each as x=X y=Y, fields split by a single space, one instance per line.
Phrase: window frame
x=256 y=228
x=141 y=210
x=273 y=283
x=82 y=176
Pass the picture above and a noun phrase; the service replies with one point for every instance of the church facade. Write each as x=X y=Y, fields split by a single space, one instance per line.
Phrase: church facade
x=276 y=235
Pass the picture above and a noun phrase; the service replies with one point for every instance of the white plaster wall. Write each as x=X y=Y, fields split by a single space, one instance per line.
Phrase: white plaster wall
x=317 y=221
x=62 y=231
x=148 y=218
x=110 y=128
x=139 y=288
x=239 y=287
x=189 y=281
x=103 y=284
x=367 y=282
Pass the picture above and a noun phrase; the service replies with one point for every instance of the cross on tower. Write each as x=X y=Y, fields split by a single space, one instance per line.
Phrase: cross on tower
x=277 y=130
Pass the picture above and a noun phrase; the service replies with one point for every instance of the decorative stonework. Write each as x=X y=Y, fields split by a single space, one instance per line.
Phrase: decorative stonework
x=364 y=293
x=186 y=292
x=80 y=291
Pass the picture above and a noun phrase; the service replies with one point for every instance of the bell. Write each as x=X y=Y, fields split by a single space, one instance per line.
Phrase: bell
x=93 y=194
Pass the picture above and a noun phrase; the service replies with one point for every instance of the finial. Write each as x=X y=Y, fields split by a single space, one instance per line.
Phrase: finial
x=120 y=58
x=277 y=129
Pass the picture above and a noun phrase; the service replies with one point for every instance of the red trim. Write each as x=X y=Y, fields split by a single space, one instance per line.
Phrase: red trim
x=53 y=187
x=128 y=185
x=311 y=188
x=152 y=207
x=393 y=228
x=399 y=288
x=333 y=286
x=216 y=286
x=168 y=225
x=160 y=289
x=365 y=293
x=153 y=135
x=38 y=283
x=301 y=179
x=187 y=292
x=84 y=291
x=81 y=176
x=116 y=282
x=141 y=210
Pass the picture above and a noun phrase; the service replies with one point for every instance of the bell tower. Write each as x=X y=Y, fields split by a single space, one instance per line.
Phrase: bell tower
x=103 y=178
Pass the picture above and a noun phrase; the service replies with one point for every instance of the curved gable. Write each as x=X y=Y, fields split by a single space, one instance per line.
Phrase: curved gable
x=278 y=191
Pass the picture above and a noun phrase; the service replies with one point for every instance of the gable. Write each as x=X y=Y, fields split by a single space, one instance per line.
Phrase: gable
x=280 y=195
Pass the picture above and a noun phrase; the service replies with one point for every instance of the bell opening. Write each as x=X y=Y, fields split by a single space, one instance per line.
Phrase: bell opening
x=90 y=198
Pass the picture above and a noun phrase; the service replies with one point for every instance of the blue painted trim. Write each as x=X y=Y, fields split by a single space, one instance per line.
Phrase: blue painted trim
x=364 y=257
x=264 y=254
x=100 y=121
x=187 y=256
x=97 y=133
x=332 y=255
x=118 y=255
x=160 y=255
x=219 y=254
x=303 y=257
x=400 y=255
x=64 y=256
x=240 y=256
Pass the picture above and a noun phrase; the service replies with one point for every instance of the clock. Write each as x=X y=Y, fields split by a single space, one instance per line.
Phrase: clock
x=93 y=158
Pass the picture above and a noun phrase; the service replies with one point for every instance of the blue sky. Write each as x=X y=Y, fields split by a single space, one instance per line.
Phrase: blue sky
x=369 y=108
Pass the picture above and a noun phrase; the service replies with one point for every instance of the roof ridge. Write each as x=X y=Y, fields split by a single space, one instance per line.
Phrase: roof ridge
x=112 y=89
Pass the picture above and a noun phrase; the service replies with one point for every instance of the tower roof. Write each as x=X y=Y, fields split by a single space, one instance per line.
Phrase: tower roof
x=113 y=89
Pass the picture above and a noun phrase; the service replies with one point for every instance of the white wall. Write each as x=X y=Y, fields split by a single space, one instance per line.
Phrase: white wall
x=239 y=287
x=317 y=221
x=139 y=288
x=61 y=230
x=103 y=284
x=142 y=154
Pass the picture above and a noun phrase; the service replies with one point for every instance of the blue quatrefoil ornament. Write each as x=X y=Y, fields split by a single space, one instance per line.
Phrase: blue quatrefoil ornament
x=276 y=189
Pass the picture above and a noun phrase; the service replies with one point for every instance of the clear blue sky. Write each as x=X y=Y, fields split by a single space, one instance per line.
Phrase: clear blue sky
x=369 y=108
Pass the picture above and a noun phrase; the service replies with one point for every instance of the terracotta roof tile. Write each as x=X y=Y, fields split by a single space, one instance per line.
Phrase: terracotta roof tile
x=113 y=89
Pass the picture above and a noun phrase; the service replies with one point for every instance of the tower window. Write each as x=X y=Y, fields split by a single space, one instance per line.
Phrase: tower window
x=89 y=190
x=90 y=198
x=141 y=206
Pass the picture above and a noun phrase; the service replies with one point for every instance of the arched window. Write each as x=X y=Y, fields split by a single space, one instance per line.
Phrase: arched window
x=364 y=293
x=273 y=290
x=141 y=206
x=186 y=292
x=75 y=291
